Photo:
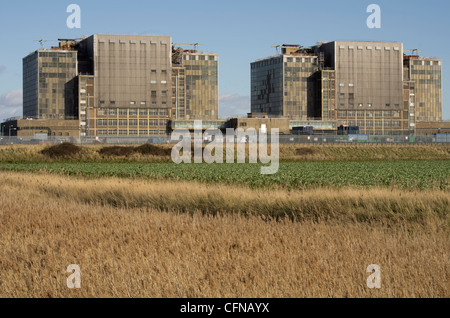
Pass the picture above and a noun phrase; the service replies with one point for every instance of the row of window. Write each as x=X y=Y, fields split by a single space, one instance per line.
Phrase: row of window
x=422 y=62
x=132 y=122
x=377 y=124
x=143 y=103
x=56 y=54
x=200 y=58
x=369 y=114
x=370 y=105
x=386 y=48
x=131 y=132
x=132 y=42
x=132 y=112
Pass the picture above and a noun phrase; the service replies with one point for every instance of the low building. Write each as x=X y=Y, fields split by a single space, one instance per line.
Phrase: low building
x=30 y=128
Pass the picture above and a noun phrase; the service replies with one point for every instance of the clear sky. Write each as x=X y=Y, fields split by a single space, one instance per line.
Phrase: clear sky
x=239 y=31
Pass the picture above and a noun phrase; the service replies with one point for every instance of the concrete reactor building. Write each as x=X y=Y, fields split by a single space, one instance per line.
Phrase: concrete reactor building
x=372 y=85
x=120 y=85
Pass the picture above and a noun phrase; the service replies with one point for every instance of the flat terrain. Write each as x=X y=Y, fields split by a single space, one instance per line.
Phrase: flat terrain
x=139 y=226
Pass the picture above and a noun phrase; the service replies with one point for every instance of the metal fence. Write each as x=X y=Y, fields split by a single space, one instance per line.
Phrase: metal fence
x=283 y=139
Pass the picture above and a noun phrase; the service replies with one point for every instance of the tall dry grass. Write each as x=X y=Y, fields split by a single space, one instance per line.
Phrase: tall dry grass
x=361 y=152
x=137 y=243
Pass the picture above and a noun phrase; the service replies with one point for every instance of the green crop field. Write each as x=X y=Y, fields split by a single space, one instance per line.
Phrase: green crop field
x=294 y=175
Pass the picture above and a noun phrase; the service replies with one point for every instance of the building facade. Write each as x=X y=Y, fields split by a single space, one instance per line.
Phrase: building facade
x=426 y=73
x=195 y=85
x=372 y=85
x=121 y=85
x=45 y=74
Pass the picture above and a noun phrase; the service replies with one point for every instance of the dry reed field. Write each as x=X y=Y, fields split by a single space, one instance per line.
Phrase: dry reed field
x=161 y=153
x=136 y=238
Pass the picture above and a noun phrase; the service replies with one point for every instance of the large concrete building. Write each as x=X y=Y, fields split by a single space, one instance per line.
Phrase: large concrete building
x=45 y=74
x=285 y=85
x=372 y=85
x=426 y=73
x=120 y=85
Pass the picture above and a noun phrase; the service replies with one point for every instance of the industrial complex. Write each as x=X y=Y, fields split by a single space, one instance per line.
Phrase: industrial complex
x=142 y=86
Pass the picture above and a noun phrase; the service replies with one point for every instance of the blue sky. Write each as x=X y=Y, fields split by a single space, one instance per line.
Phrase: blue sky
x=239 y=31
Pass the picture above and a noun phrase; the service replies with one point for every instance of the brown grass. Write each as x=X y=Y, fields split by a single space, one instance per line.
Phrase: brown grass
x=141 y=245
x=152 y=153
x=146 y=149
x=62 y=151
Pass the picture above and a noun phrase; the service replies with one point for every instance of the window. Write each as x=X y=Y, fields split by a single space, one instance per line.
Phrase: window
x=101 y=112
x=133 y=122
x=143 y=103
x=132 y=103
x=102 y=122
x=370 y=105
x=123 y=122
x=133 y=112
x=153 y=93
x=123 y=112
x=143 y=112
